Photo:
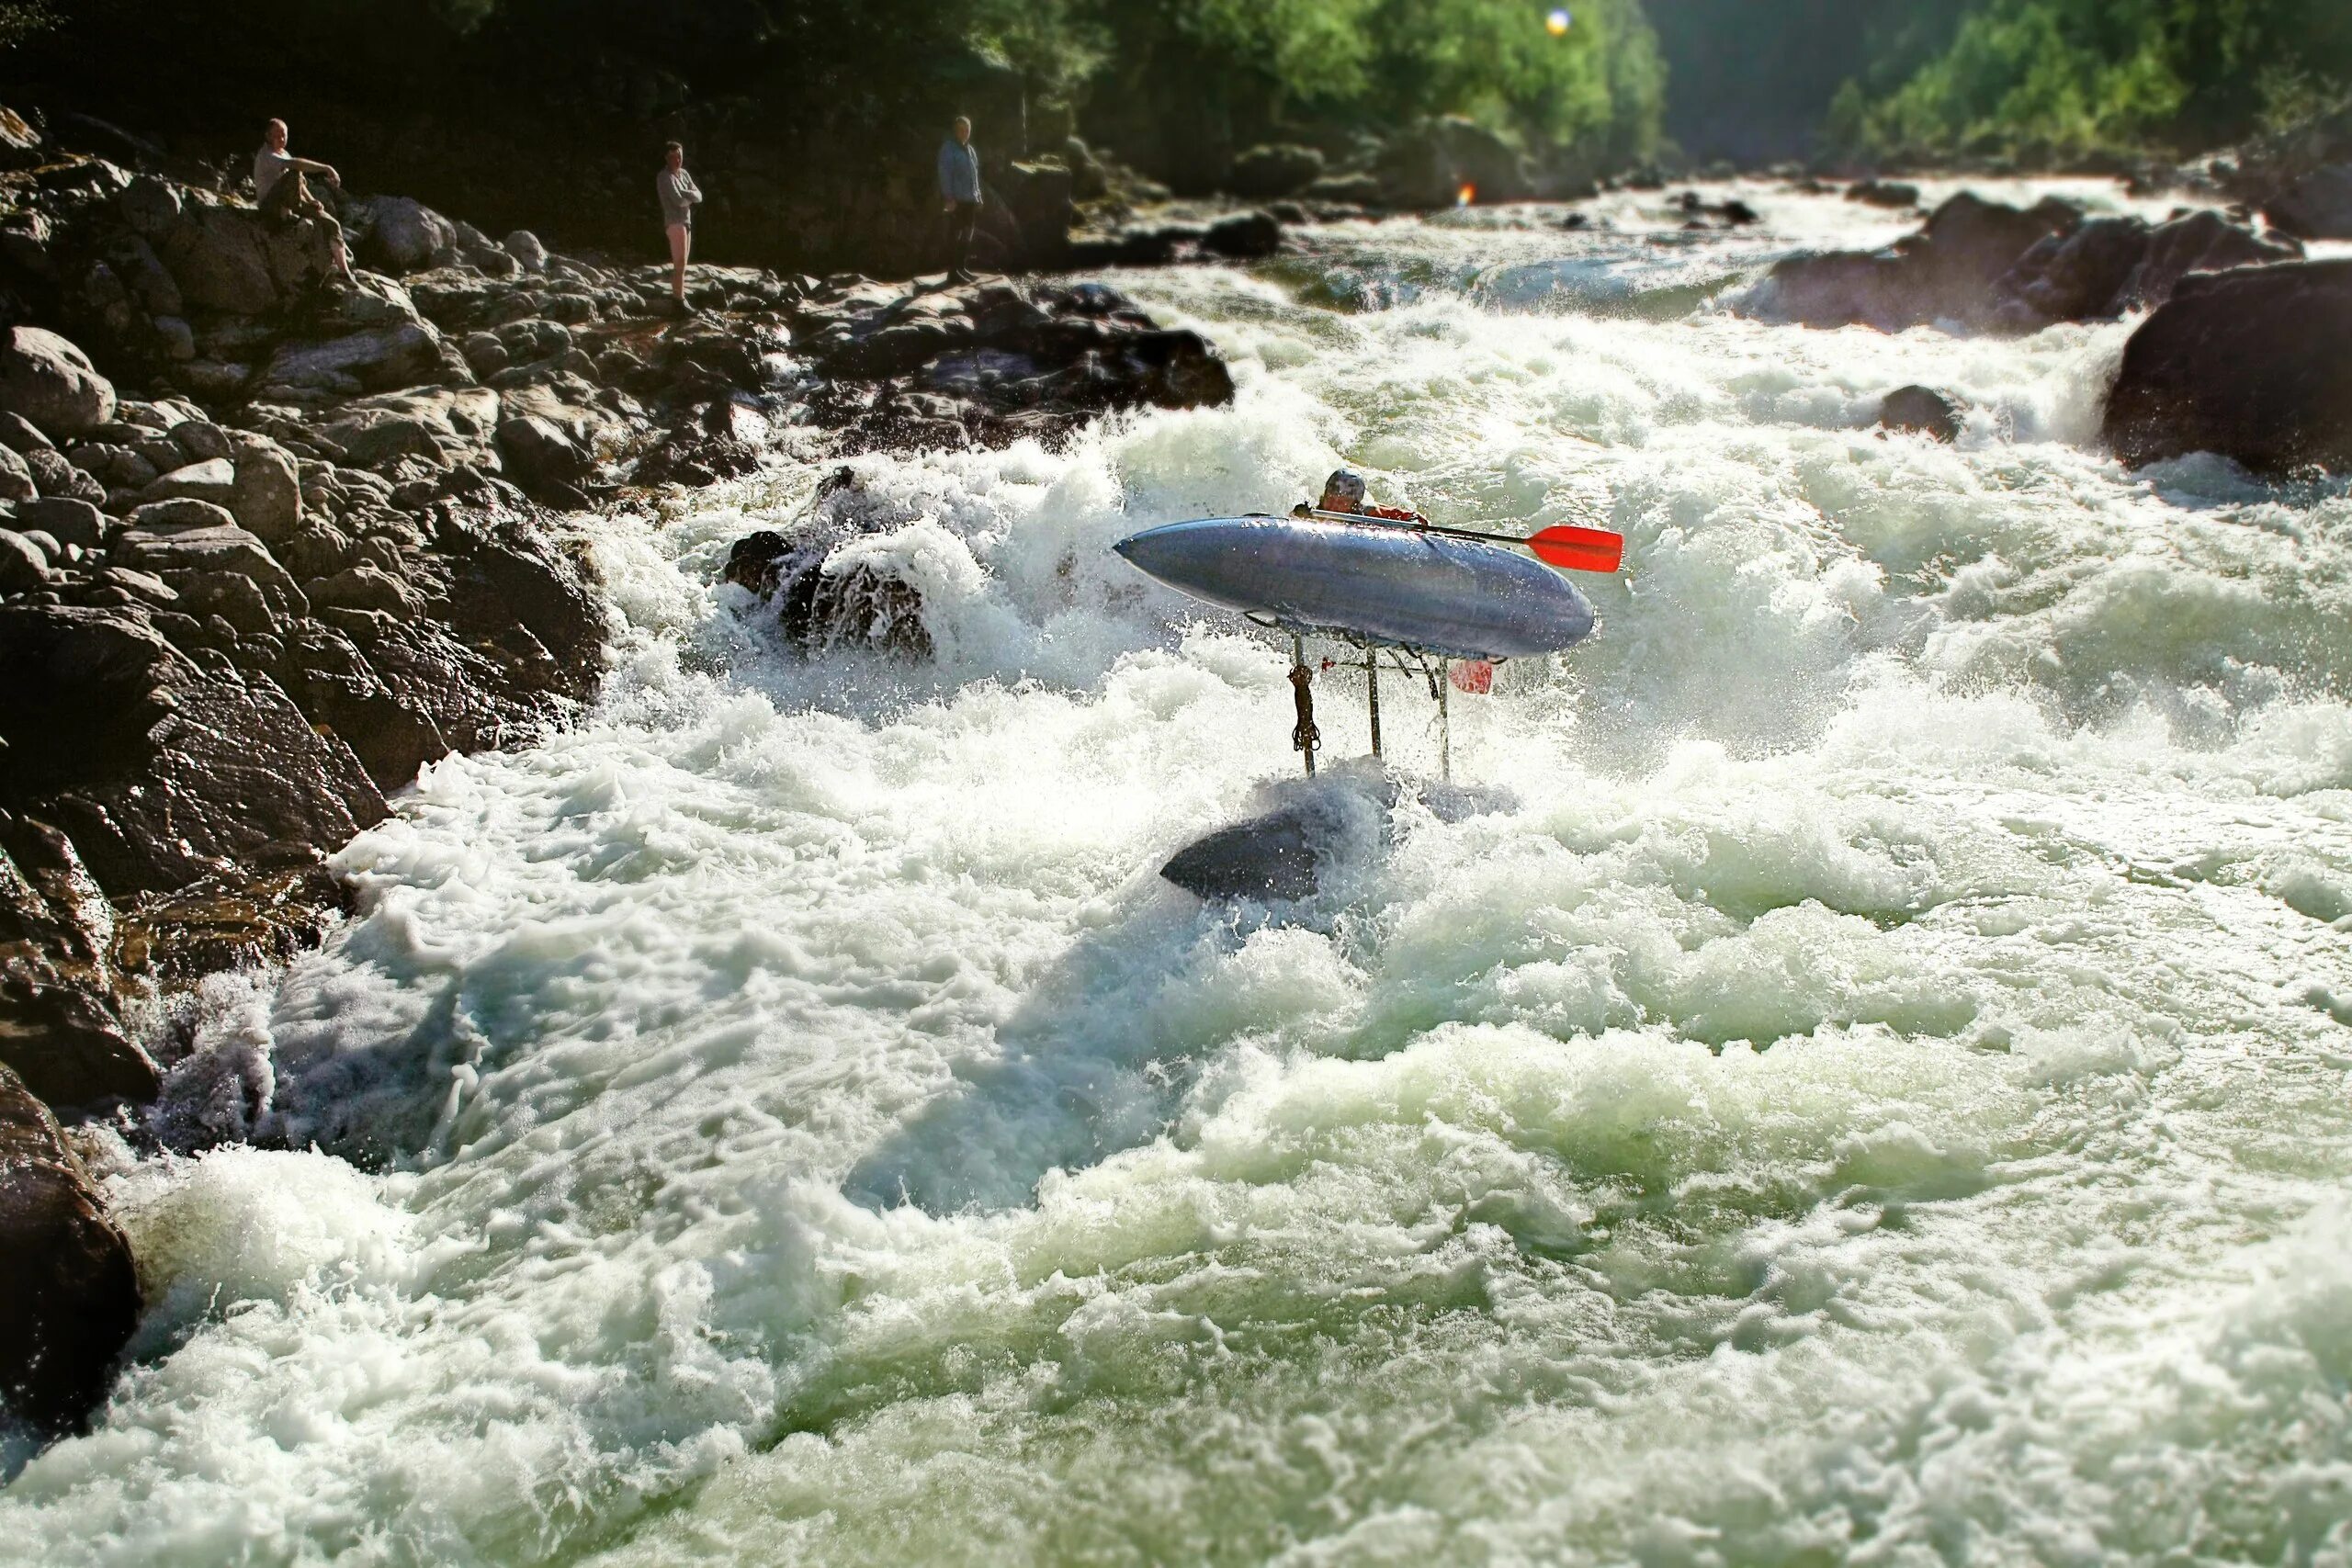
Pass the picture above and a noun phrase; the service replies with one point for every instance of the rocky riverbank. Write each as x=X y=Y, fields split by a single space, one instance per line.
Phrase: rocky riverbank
x=270 y=542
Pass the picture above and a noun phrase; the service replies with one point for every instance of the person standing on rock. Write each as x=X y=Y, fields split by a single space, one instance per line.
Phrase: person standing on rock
x=679 y=194
x=284 y=195
x=959 y=188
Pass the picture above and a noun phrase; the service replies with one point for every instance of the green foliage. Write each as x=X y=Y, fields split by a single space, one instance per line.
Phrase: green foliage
x=2072 y=77
x=1236 y=70
x=1757 y=81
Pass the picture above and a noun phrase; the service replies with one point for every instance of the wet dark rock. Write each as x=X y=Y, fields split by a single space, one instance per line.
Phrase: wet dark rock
x=59 y=1029
x=160 y=773
x=69 y=1297
x=2316 y=205
x=1245 y=236
x=2253 y=363
x=2109 y=267
x=822 y=610
x=1273 y=856
x=1021 y=360
x=1922 y=410
x=1276 y=170
x=1883 y=193
x=1982 y=265
x=284 y=905
x=1318 y=832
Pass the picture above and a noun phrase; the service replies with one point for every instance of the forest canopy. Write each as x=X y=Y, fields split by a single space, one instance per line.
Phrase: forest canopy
x=1168 y=82
x=2061 y=77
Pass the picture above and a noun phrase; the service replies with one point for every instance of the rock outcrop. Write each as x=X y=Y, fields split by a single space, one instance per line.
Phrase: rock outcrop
x=1980 y=266
x=270 y=541
x=2256 y=364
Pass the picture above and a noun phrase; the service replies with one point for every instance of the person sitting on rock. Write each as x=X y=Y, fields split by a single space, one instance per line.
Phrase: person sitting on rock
x=959 y=188
x=1345 y=491
x=283 y=194
x=679 y=194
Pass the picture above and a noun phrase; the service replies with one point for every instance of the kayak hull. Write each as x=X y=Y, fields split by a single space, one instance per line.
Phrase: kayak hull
x=1392 y=587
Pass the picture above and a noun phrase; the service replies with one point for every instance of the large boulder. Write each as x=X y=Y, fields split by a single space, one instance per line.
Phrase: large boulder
x=46 y=380
x=24 y=566
x=2316 y=206
x=214 y=481
x=16 y=482
x=399 y=235
x=823 y=604
x=2255 y=364
x=1245 y=236
x=2109 y=267
x=1450 y=159
x=1282 y=169
x=159 y=773
x=150 y=205
x=69 y=1297
x=1949 y=273
x=1979 y=265
x=218 y=255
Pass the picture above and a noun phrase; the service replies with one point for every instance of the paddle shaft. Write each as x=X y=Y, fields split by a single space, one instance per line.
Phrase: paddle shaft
x=1603 y=548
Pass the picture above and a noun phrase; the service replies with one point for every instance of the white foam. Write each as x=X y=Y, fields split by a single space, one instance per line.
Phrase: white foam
x=1879 y=1094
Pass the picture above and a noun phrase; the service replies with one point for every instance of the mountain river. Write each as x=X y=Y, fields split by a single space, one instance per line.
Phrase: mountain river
x=1874 y=1092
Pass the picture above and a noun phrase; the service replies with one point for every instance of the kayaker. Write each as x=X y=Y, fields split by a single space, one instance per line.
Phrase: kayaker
x=1345 y=491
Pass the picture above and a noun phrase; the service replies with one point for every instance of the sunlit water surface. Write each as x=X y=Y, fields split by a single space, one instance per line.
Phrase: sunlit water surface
x=1879 y=1096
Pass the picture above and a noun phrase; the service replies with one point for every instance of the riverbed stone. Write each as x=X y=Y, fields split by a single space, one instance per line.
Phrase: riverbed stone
x=49 y=381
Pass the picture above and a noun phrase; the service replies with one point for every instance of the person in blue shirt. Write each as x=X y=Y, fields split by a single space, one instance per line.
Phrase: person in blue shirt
x=959 y=189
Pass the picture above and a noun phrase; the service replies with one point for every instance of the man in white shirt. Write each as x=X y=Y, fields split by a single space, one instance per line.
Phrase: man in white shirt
x=283 y=195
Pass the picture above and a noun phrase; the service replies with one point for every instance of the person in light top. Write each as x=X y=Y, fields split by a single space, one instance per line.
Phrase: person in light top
x=679 y=195
x=283 y=194
x=1346 y=491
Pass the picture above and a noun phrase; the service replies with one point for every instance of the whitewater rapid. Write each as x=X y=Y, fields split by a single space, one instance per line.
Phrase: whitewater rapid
x=1878 y=1095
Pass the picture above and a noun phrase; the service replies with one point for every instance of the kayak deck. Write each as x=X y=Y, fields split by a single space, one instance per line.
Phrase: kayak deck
x=1378 y=585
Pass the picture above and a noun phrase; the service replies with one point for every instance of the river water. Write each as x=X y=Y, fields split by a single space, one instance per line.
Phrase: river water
x=1877 y=1093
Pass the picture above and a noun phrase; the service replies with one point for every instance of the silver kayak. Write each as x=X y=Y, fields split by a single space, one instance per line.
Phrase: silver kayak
x=1386 y=586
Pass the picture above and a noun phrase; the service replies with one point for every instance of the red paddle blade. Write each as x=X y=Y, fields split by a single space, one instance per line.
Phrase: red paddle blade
x=1572 y=549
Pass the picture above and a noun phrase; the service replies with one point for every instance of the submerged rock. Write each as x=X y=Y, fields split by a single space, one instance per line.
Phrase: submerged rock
x=1279 y=855
x=1320 y=830
x=823 y=604
x=2256 y=364
x=1922 y=410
